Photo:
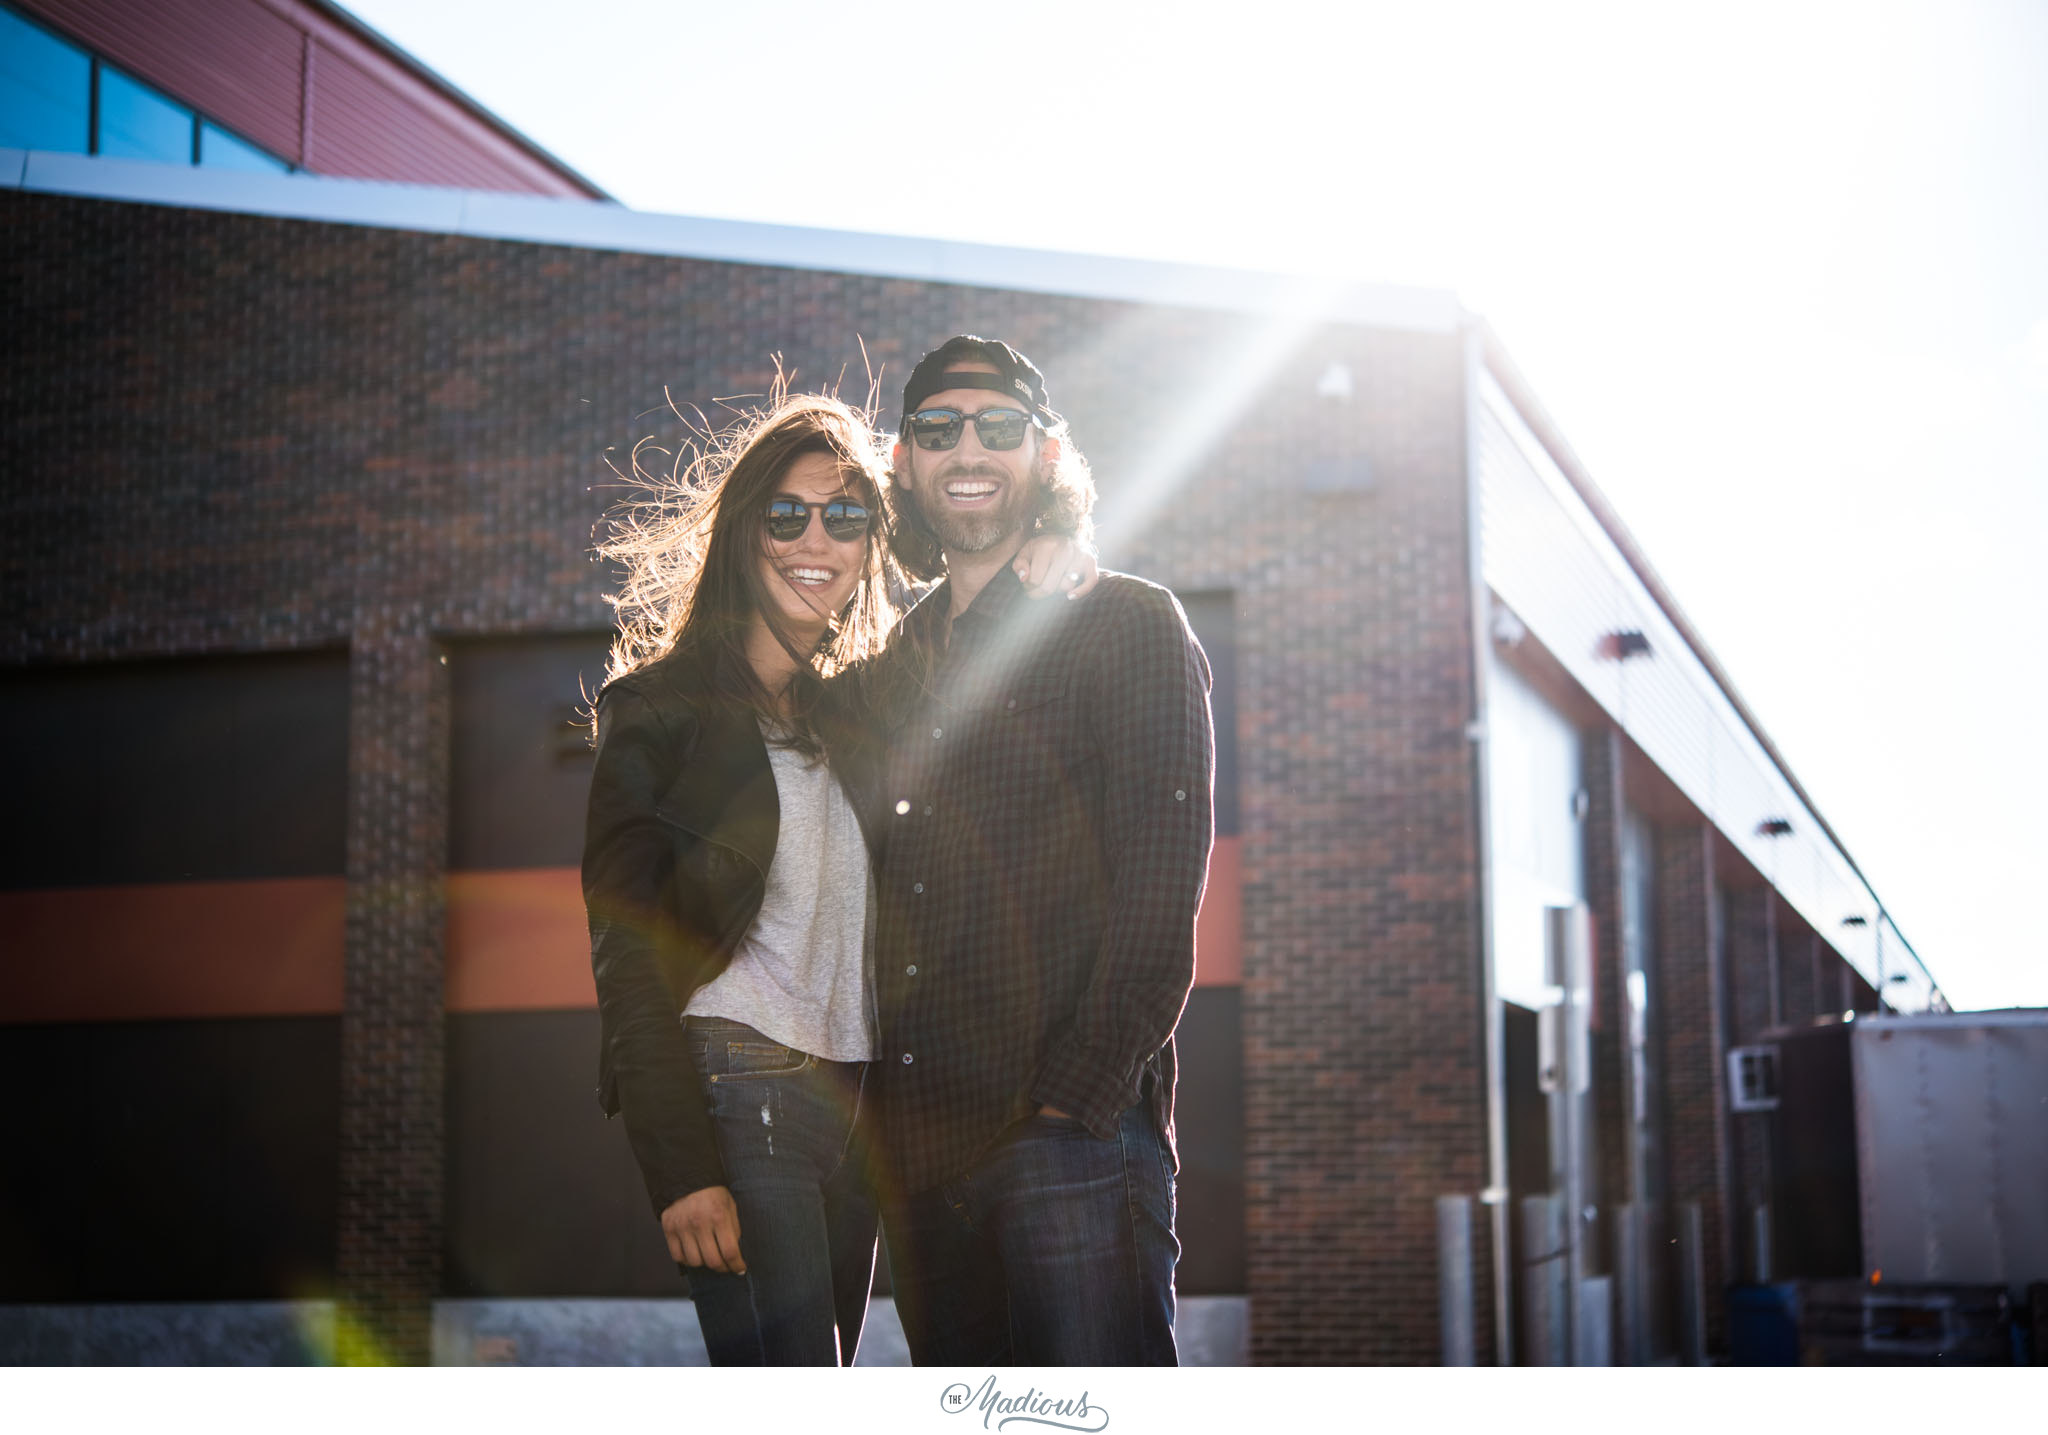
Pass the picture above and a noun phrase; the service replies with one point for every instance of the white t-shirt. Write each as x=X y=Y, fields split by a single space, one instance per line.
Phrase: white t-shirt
x=799 y=976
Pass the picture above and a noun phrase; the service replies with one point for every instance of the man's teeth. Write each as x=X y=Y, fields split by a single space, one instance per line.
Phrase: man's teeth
x=970 y=490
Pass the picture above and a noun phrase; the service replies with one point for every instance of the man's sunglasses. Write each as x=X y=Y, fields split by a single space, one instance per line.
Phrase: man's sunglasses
x=789 y=518
x=998 y=429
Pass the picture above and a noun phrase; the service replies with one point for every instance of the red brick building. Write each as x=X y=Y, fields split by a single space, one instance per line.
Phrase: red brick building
x=301 y=478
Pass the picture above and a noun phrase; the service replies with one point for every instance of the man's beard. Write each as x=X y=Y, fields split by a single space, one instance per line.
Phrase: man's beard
x=982 y=529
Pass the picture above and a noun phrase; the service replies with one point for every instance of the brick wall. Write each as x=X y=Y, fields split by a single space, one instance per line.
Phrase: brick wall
x=1687 y=953
x=1363 y=1077
x=1799 y=964
x=226 y=433
x=1751 y=914
x=389 y=1262
x=1601 y=748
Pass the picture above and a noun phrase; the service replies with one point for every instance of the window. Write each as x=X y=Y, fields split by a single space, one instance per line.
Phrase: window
x=49 y=89
x=220 y=150
x=138 y=123
x=45 y=89
x=1753 y=1078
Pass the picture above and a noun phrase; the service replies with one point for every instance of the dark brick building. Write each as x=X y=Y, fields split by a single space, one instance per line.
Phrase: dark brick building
x=300 y=484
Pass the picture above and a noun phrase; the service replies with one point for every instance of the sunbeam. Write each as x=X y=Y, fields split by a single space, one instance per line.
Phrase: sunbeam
x=1230 y=383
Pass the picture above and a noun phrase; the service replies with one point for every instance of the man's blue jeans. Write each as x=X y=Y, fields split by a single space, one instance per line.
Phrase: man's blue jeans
x=1056 y=1248
x=791 y=1137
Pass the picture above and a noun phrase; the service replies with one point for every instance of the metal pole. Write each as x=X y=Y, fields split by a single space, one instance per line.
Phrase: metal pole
x=1543 y=1280
x=1566 y=932
x=1628 y=1279
x=1760 y=1242
x=1454 y=1279
x=1692 y=1280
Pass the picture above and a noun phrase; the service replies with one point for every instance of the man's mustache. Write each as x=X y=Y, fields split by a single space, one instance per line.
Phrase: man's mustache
x=970 y=470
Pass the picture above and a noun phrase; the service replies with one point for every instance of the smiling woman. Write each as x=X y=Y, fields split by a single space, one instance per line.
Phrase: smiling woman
x=725 y=873
x=706 y=548
x=809 y=569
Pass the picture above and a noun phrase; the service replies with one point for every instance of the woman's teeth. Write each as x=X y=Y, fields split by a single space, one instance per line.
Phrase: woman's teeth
x=814 y=577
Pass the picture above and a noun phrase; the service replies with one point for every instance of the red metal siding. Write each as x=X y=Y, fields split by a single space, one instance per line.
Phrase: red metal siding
x=237 y=61
x=365 y=128
x=518 y=941
x=177 y=951
x=366 y=114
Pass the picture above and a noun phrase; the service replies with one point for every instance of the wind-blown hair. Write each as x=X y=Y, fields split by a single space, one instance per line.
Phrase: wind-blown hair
x=690 y=542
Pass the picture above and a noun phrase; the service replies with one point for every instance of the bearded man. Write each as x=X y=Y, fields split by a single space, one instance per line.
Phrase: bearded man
x=1045 y=806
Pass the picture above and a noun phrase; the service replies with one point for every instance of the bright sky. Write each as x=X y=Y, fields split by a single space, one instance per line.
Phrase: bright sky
x=1780 y=271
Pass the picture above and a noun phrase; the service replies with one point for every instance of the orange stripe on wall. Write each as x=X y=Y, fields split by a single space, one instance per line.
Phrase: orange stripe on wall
x=174 y=950
x=1219 y=927
x=517 y=941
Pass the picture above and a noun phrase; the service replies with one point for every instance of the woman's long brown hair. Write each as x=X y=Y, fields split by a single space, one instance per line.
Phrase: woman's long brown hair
x=690 y=542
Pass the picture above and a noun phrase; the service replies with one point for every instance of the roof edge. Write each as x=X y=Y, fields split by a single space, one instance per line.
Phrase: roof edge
x=348 y=20
x=578 y=223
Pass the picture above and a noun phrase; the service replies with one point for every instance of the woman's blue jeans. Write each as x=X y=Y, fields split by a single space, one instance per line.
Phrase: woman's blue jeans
x=791 y=1136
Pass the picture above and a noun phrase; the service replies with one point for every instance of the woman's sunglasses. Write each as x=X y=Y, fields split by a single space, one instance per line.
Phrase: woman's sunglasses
x=998 y=429
x=789 y=518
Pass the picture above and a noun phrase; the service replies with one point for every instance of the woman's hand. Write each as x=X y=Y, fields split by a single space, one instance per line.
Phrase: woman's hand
x=703 y=1229
x=1052 y=563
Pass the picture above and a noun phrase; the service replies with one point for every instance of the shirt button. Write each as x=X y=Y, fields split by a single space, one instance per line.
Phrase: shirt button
x=911 y=970
x=917 y=887
x=1011 y=705
x=938 y=732
x=907 y=1058
x=1180 y=794
x=904 y=806
x=927 y=812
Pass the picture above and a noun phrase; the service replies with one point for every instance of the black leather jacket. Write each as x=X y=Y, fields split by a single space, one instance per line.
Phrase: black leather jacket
x=681 y=831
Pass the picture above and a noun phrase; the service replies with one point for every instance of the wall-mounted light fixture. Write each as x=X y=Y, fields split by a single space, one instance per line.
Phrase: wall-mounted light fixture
x=1351 y=473
x=1774 y=827
x=1623 y=644
x=1855 y=921
x=1508 y=630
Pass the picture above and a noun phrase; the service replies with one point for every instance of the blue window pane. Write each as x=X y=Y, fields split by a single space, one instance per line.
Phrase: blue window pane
x=45 y=89
x=138 y=123
x=221 y=150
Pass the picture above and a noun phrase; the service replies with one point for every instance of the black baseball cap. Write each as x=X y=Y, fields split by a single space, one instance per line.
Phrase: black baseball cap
x=1014 y=376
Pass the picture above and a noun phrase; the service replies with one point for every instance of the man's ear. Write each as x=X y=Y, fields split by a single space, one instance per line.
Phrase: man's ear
x=1049 y=451
x=896 y=458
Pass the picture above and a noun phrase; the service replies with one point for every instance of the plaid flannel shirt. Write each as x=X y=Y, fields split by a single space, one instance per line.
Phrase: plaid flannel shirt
x=1044 y=811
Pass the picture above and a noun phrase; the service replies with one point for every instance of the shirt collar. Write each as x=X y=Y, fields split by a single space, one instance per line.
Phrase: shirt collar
x=998 y=598
x=998 y=605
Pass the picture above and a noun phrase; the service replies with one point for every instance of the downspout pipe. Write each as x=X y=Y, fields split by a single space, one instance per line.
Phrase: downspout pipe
x=1492 y=1024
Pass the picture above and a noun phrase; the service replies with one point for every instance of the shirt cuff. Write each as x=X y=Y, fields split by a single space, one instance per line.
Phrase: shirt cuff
x=1087 y=1086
